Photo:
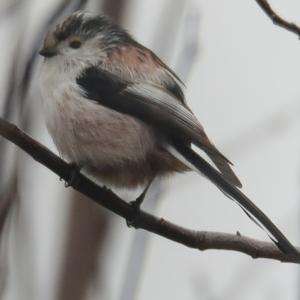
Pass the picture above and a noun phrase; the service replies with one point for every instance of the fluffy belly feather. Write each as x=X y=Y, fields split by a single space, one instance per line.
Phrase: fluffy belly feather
x=117 y=149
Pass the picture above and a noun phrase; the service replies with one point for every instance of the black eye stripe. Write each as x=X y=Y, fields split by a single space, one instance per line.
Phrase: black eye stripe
x=75 y=44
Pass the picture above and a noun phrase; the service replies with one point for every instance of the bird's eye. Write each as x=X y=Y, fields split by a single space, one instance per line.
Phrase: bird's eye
x=75 y=44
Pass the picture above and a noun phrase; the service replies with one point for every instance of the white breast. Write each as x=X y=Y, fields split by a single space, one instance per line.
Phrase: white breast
x=86 y=132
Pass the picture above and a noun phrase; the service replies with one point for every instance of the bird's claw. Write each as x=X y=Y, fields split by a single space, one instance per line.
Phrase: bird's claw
x=136 y=205
x=75 y=170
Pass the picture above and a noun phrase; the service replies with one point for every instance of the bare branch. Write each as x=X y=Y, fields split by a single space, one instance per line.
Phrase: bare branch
x=200 y=240
x=276 y=19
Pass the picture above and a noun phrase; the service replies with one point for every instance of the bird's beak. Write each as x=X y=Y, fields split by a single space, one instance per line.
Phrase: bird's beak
x=48 y=52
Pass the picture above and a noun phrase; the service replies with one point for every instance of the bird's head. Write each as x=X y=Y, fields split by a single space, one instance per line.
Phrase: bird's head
x=84 y=38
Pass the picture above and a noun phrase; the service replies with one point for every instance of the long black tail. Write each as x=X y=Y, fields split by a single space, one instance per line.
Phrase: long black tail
x=235 y=194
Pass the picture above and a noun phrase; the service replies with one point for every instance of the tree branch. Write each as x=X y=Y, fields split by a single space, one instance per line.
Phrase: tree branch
x=276 y=19
x=200 y=240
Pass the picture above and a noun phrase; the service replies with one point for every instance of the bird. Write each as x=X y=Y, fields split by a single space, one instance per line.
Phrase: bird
x=118 y=113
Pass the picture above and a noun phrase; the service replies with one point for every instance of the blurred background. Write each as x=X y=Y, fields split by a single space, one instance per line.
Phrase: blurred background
x=242 y=78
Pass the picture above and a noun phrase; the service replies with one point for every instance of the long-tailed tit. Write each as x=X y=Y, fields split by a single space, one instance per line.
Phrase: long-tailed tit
x=118 y=112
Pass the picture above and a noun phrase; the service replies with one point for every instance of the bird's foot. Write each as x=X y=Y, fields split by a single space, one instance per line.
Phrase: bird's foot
x=74 y=171
x=136 y=205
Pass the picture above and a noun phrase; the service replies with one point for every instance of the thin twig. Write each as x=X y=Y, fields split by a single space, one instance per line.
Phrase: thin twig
x=201 y=240
x=276 y=19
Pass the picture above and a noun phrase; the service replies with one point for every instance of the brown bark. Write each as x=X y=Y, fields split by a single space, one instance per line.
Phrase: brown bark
x=200 y=240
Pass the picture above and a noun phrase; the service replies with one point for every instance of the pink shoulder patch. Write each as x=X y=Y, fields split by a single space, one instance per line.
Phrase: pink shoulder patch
x=136 y=59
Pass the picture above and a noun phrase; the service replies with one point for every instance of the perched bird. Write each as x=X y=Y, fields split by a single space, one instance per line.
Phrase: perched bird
x=118 y=112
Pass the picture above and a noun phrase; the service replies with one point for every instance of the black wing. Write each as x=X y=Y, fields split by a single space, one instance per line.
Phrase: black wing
x=156 y=106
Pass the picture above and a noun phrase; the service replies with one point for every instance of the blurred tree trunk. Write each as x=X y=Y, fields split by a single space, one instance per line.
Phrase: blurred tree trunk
x=88 y=225
x=86 y=233
x=114 y=9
